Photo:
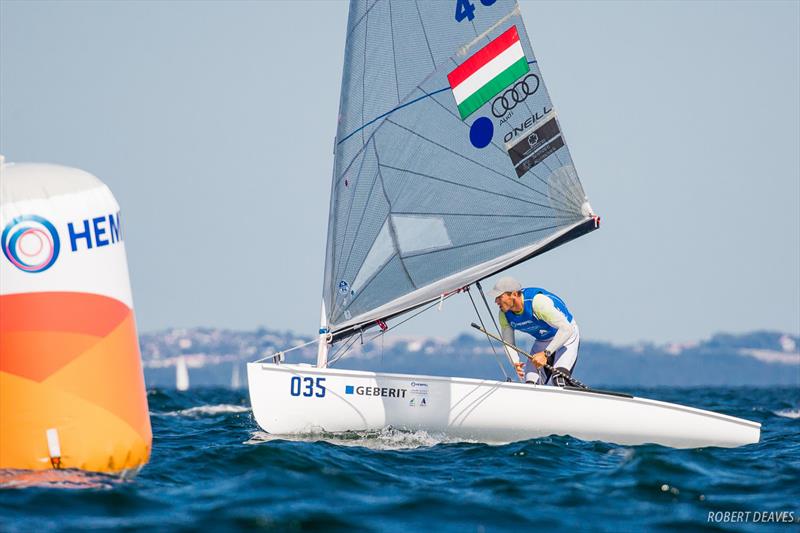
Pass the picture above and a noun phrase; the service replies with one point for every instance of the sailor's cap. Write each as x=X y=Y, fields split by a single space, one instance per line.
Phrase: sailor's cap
x=504 y=284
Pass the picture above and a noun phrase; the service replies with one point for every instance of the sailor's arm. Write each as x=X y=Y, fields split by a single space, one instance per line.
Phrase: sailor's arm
x=545 y=309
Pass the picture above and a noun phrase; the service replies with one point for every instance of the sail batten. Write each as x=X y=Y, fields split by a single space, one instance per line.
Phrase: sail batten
x=450 y=163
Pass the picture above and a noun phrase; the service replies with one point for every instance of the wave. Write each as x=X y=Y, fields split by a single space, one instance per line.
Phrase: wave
x=61 y=479
x=788 y=413
x=385 y=439
x=207 y=410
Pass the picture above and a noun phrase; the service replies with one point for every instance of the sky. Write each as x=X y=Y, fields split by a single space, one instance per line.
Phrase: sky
x=213 y=124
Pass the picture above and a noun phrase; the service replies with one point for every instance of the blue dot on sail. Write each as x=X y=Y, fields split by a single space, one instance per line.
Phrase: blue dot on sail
x=481 y=132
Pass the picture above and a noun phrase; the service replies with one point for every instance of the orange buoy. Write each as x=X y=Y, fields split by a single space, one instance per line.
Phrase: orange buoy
x=72 y=392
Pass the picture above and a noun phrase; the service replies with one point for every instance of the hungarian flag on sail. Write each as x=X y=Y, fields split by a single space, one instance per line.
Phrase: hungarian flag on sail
x=487 y=72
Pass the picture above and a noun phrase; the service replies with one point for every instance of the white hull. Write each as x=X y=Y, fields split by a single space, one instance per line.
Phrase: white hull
x=291 y=399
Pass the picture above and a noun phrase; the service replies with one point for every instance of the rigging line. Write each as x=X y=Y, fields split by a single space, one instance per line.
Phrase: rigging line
x=352 y=339
x=472 y=187
x=426 y=95
x=449 y=248
x=503 y=151
x=394 y=53
x=434 y=303
x=358 y=22
x=360 y=221
x=480 y=318
x=517 y=181
x=392 y=230
x=489 y=310
x=287 y=350
x=470 y=214
x=344 y=349
x=425 y=34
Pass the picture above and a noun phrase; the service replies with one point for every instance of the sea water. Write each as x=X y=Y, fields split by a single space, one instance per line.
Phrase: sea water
x=213 y=469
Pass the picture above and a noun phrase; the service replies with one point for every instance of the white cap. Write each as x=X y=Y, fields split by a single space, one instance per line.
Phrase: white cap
x=504 y=284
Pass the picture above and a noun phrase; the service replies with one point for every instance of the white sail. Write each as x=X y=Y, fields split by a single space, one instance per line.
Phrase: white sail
x=450 y=163
x=236 y=382
x=181 y=374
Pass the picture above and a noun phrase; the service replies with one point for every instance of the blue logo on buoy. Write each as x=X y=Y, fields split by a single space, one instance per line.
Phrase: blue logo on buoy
x=31 y=243
x=481 y=132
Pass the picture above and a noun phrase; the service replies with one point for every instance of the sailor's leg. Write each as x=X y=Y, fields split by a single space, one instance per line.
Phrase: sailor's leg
x=566 y=358
x=536 y=375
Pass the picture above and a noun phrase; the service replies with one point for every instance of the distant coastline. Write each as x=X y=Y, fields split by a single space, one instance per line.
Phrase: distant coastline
x=217 y=358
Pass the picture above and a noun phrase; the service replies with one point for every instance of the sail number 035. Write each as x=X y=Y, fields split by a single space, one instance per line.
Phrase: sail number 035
x=466 y=9
x=307 y=387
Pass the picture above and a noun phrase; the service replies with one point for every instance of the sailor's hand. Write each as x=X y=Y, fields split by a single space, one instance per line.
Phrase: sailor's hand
x=520 y=368
x=539 y=359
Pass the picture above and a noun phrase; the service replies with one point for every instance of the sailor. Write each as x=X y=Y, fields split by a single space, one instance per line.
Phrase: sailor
x=545 y=317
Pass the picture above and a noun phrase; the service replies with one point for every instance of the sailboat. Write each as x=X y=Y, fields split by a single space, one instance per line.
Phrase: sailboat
x=181 y=374
x=450 y=166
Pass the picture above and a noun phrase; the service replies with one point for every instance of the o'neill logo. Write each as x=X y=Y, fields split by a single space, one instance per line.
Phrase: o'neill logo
x=31 y=243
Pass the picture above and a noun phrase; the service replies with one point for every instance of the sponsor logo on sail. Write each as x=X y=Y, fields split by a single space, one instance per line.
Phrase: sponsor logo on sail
x=526 y=124
x=538 y=144
x=344 y=287
x=481 y=132
x=31 y=243
x=487 y=72
x=517 y=94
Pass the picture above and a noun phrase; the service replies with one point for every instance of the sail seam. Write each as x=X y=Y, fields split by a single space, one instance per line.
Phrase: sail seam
x=426 y=95
x=350 y=211
x=471 y=214
x=472 y=187
x=486 y=240
x=343 y=270
x=509 y=178
x=568 y=204
x=462 y=156
x=358 y=22
x=425 y=34
x=394 y=53
x=364 y=71
x=392 y=229
x=371 y=279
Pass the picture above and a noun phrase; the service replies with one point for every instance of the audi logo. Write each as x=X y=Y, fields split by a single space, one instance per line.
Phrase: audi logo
x=516 y=94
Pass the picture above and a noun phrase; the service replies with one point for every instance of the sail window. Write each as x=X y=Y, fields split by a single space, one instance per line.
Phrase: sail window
x=382 y=250
x=420 y=233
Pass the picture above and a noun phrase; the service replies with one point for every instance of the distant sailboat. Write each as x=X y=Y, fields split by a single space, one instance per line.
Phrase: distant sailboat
x=181 y=374
x=236 y=382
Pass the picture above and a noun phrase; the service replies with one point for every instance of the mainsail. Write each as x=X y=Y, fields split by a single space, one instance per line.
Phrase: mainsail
x=450 y=162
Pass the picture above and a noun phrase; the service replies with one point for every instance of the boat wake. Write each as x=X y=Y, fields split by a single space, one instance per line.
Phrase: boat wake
x=788 y=413
x=385 y=439
x=206 y=410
